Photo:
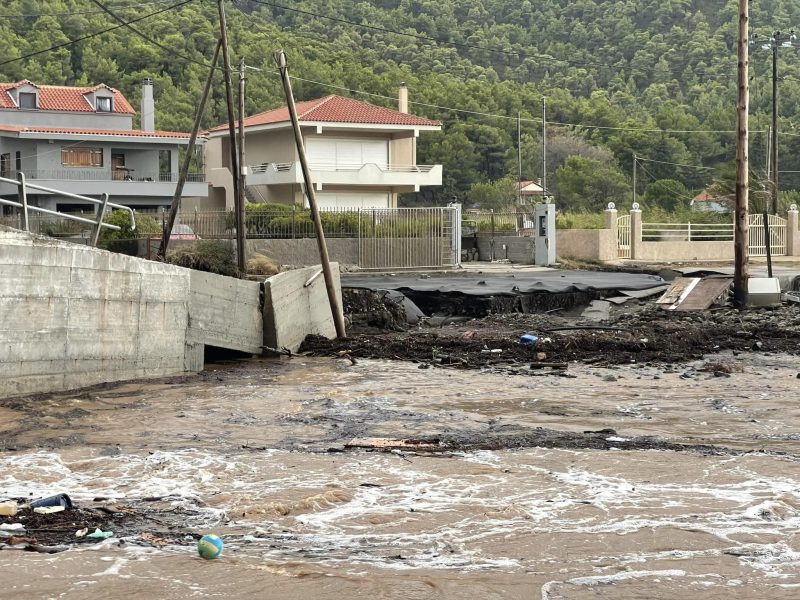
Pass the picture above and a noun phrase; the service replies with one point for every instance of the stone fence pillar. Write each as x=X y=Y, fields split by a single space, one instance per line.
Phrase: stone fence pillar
x=792 y=233
x=636 y=232
x=611 y=217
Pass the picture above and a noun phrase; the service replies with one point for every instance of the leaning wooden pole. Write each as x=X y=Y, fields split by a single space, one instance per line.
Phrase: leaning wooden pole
x=338 y=318
x=226 y=59
x=187 y=159
x=742 y=232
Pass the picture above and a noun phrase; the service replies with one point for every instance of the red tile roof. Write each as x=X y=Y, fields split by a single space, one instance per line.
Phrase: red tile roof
x=89 y=132
x=64 y=98
x=336 y=109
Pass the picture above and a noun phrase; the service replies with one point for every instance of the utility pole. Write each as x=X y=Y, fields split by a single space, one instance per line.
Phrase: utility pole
x=519 y=158
x=232 y=133
x=176 y=198
x=776 y=41
x=741 y=231
x=775 y=124
x=544 y=148
x=240 y=217
x=338 y=318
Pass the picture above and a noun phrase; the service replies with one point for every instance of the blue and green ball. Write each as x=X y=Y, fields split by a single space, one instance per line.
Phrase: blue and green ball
x=210 y=546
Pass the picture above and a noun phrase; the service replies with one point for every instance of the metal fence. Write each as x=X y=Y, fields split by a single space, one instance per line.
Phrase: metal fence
x=687 y=232
x=491 y=223
x=777 y=235
x=624 y=236
x=393 y=238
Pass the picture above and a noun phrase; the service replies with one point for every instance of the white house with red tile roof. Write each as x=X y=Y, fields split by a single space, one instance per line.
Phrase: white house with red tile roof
x=360 y=155
x=81 y=140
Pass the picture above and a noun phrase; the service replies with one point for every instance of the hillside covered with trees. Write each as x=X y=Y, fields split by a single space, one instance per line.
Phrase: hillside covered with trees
x=651 y=78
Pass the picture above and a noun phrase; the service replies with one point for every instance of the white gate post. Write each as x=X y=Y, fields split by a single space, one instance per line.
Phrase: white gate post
x=636 y=231
x=792 y=234
x=456 y=233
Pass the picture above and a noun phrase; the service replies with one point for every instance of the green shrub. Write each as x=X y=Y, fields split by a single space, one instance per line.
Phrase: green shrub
x=211 y=256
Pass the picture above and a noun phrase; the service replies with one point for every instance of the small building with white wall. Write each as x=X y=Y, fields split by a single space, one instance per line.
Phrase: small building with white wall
x=360 y=155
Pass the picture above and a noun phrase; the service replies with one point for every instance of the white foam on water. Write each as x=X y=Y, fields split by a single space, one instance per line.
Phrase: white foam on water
x=594 y=580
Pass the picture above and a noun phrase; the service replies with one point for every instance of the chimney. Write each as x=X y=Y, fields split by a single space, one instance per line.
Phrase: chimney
x=402 y=103
x=148 y=110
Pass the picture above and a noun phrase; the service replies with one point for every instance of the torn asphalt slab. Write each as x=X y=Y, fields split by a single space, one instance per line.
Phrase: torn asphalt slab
x=485 y=284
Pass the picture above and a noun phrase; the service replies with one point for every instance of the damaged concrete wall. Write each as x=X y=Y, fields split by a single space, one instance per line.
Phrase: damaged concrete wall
x=295 y=306
x=224 y=312
x=73 y=316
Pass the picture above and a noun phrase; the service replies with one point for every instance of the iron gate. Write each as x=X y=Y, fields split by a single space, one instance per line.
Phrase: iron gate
x=777 y=235
x=409 y=238
x=624 y=236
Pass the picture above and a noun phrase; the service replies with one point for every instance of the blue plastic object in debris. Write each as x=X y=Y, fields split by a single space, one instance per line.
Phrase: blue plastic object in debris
x=528 y=339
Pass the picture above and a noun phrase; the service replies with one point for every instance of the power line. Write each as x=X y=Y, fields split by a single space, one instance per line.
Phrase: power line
x=96 y=33
x=81 y=12
x=438 y=42
x=507 y=117
x=147 y=38
x=664 y=162
x=661 y=183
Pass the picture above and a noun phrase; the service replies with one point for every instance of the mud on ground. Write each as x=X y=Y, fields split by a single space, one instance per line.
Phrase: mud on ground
x=636 y=332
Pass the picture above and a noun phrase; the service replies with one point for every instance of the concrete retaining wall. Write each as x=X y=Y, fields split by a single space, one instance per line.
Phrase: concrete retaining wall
x=293 y=310
x=304 y=252
x=72 y=316
x=676 y=251
x=587 y=244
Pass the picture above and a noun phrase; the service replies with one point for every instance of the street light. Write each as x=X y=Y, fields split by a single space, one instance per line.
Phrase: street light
x=776 y=40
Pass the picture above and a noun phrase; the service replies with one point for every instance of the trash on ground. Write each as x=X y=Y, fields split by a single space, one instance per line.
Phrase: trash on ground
x=763 y=291
x=46 y=510
x=210 y=546
x=8 y=509
x=528 y=339
x=100 y=535
x=393 y=444
x=57 y=500
x=81 y=532
x=12 y=527
x=695 y=293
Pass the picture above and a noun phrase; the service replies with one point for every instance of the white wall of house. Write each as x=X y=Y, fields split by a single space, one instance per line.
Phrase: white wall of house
x=73 y=120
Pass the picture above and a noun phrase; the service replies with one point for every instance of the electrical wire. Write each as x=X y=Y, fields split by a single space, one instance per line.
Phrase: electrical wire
x=520 y=55
x=147 y=38
x=80 y=12
x=510 y=118
x=663 y=185
x=664 y=162
x=97 y=33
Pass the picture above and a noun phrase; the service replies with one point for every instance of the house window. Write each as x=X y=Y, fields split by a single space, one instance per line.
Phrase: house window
x=18 y=161
x=27 y=100
x=104 y=104
x=5 y=164
x=82 y=157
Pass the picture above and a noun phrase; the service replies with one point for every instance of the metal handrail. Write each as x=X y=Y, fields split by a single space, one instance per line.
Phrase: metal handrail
x=337 y=167
x=103 y=203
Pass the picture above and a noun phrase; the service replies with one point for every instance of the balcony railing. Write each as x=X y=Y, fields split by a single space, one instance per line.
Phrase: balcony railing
x=101 y=174
x=321 y=166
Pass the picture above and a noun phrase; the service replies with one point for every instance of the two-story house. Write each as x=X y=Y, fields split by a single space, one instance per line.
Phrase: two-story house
x=81 y=140
x=360 y=155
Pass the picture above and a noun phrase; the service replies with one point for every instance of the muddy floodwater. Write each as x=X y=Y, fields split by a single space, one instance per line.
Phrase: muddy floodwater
x=631 y=482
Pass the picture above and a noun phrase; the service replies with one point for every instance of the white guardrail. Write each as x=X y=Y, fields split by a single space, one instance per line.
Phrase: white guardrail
x=103 y=203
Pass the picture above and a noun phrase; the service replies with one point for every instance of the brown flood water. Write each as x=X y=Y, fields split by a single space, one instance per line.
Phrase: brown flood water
x=242 y=450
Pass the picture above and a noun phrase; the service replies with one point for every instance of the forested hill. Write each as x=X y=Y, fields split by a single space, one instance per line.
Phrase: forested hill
x=654 y=78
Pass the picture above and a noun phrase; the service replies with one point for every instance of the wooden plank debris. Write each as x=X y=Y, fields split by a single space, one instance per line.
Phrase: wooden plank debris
x=695 y=293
